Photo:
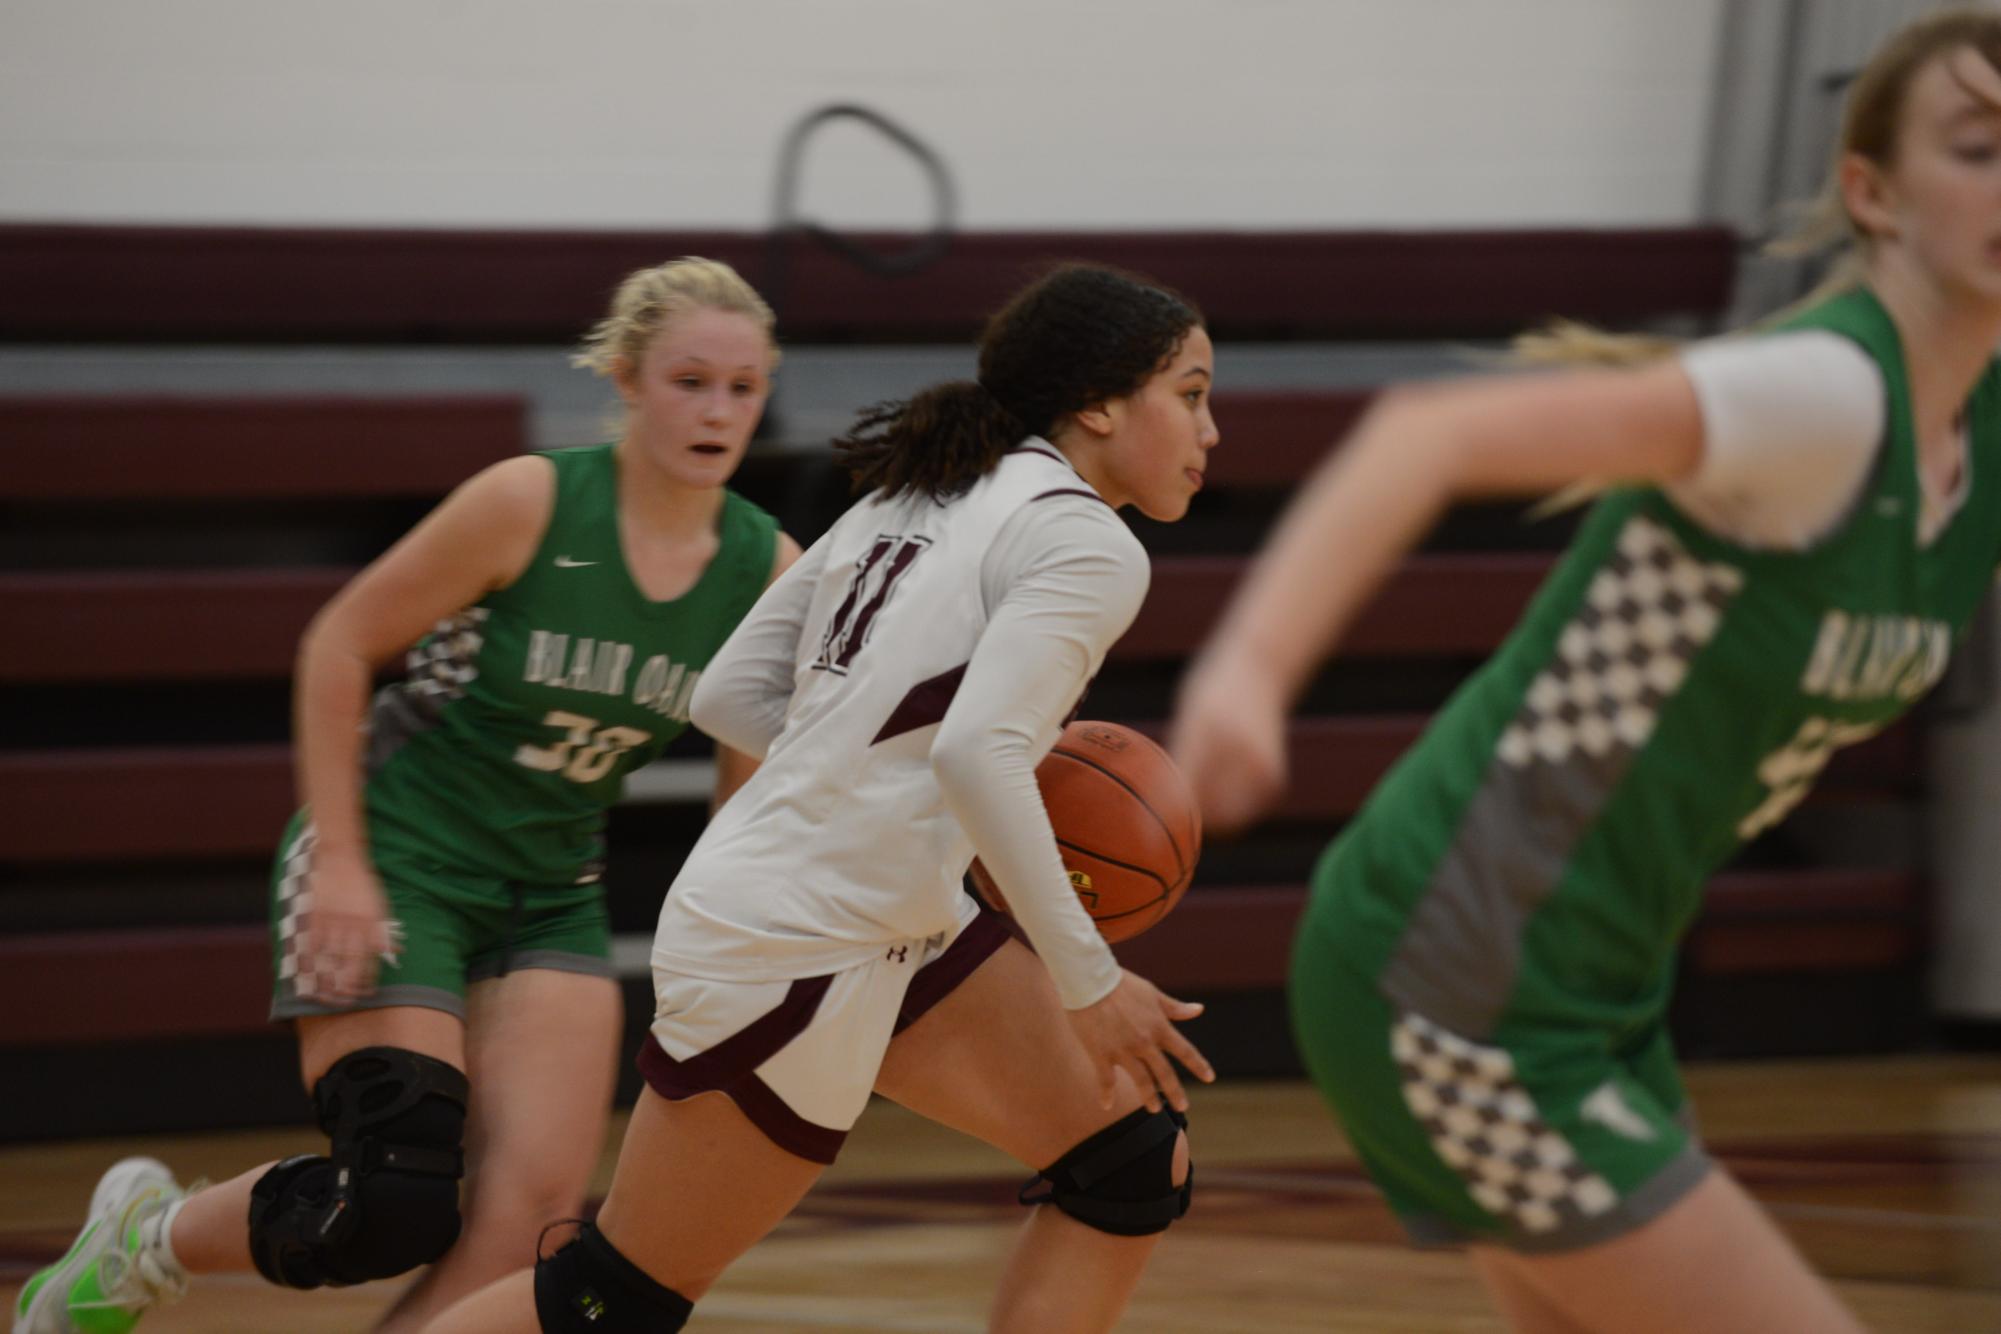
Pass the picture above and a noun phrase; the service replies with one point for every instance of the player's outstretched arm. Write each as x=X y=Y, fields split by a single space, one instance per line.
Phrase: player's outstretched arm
x=733 y=767
x=1368 y=504
x=478 y=539
x=746 y=690
x=1065 y=581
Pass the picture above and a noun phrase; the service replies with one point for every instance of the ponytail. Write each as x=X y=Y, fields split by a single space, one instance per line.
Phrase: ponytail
x=937 y=443
x=1078 y=335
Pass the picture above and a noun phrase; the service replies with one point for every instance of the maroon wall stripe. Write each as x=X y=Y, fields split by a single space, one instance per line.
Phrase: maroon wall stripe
x=374 y=285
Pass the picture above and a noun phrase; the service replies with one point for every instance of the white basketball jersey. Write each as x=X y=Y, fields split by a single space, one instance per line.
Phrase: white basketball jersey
x=841 y=841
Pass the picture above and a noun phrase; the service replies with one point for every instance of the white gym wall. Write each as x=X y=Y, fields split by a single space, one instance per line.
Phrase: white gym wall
x=1251 y=114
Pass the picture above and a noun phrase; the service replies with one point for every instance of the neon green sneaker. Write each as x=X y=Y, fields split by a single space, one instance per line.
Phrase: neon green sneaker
x=118 y=1267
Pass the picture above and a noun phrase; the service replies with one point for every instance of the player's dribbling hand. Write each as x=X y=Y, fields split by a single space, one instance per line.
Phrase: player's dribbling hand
x=1132 y=1029
x=345 y=931
x=1228 y=736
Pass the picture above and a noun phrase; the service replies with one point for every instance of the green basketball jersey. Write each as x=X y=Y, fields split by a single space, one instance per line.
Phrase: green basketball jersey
x=1667 y=696
x=521 y=715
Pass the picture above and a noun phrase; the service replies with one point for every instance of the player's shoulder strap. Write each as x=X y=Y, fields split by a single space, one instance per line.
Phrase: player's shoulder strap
x=1856 y=315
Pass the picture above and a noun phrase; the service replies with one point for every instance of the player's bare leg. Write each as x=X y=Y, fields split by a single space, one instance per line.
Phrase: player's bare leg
x=542 y=1056
x=697 y=1185
x=209 y=1235
x=1522 y=1305
x=997 y=1060
x=144 y=1239
x=1713 y=1262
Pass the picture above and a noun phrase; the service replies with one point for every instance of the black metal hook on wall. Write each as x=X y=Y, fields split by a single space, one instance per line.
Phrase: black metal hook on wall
x=785 y=222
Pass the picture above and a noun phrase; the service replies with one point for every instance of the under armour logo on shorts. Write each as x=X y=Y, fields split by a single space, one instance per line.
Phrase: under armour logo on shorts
x=897 y=953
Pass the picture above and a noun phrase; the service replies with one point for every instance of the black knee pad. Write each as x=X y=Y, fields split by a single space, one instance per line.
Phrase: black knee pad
x=1120 y=1180
x=386 y=1198
x=587 y=1287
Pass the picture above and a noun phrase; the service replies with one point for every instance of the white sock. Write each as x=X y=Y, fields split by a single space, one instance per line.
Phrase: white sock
x=156 y=1245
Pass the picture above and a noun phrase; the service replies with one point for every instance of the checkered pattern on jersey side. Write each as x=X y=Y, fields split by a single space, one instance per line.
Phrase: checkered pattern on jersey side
x=294 y=898
x=1484 y=1126
x=443 y=663
x=1647 y=612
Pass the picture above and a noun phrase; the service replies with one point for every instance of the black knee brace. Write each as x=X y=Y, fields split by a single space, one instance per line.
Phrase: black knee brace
x=386 y=1199
x=587 y=1287
x=1120 y=1180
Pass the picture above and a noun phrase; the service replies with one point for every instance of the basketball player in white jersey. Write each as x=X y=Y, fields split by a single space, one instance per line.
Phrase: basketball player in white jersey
x=901 y=683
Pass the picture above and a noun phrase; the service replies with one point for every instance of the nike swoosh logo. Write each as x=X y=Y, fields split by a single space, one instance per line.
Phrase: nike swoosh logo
x=565 y=563
x=1609 y=1108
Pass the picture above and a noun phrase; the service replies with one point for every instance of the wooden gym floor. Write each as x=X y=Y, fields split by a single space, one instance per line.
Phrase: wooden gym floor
x=1887 y=1172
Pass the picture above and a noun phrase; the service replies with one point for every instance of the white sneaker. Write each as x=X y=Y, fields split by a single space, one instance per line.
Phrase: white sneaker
x=122 y=1176
x=118 y=1266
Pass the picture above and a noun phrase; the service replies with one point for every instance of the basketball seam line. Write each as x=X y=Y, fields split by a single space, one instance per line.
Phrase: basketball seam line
x=1181 y=870
x=1148 y=872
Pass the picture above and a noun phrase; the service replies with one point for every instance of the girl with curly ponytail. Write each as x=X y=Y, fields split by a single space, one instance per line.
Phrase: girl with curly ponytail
x=1082 y=335
x=901 y=682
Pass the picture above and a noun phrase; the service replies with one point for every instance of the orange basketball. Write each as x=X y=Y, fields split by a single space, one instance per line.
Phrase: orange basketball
x=1125 y=822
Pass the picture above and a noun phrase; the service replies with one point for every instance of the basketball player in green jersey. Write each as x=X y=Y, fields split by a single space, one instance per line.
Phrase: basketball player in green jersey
x=439 y=932
x=1797 y=524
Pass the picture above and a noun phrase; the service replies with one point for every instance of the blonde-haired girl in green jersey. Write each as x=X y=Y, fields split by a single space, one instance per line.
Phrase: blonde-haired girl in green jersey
x=439 y=932
x=1795 y=525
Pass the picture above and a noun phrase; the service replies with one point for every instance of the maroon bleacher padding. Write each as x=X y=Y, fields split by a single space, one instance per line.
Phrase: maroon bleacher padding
x=1433 y=604
x=1274 y=438
x=132 y=804
x=158 y=447
x=151 y=625
x=1822 y=921
x=194 y=283
x=1339 y=761
x=244 y=624
x=1335 y=762
x=232 y=801
x=1809 y=943
x=101 y=986
x=1226 y=938
x=1219 y=938
x=106 y=986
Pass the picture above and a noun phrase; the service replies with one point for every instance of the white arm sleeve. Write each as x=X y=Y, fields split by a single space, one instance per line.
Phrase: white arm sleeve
x=1064 y=578
x=746 y=689
x=1791 y=424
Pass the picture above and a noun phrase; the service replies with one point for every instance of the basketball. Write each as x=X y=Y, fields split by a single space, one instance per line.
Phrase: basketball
x=1125 y=822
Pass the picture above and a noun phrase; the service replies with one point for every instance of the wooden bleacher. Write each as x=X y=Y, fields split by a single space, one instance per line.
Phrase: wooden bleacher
x=121 y=808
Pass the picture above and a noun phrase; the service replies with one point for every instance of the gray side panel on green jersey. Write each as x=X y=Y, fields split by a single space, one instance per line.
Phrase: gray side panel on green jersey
x=440 y=666
x=1585 y=717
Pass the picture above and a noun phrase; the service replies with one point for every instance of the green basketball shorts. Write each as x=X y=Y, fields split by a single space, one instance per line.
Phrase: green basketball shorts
x=1540 y=1141
x=457 y=927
